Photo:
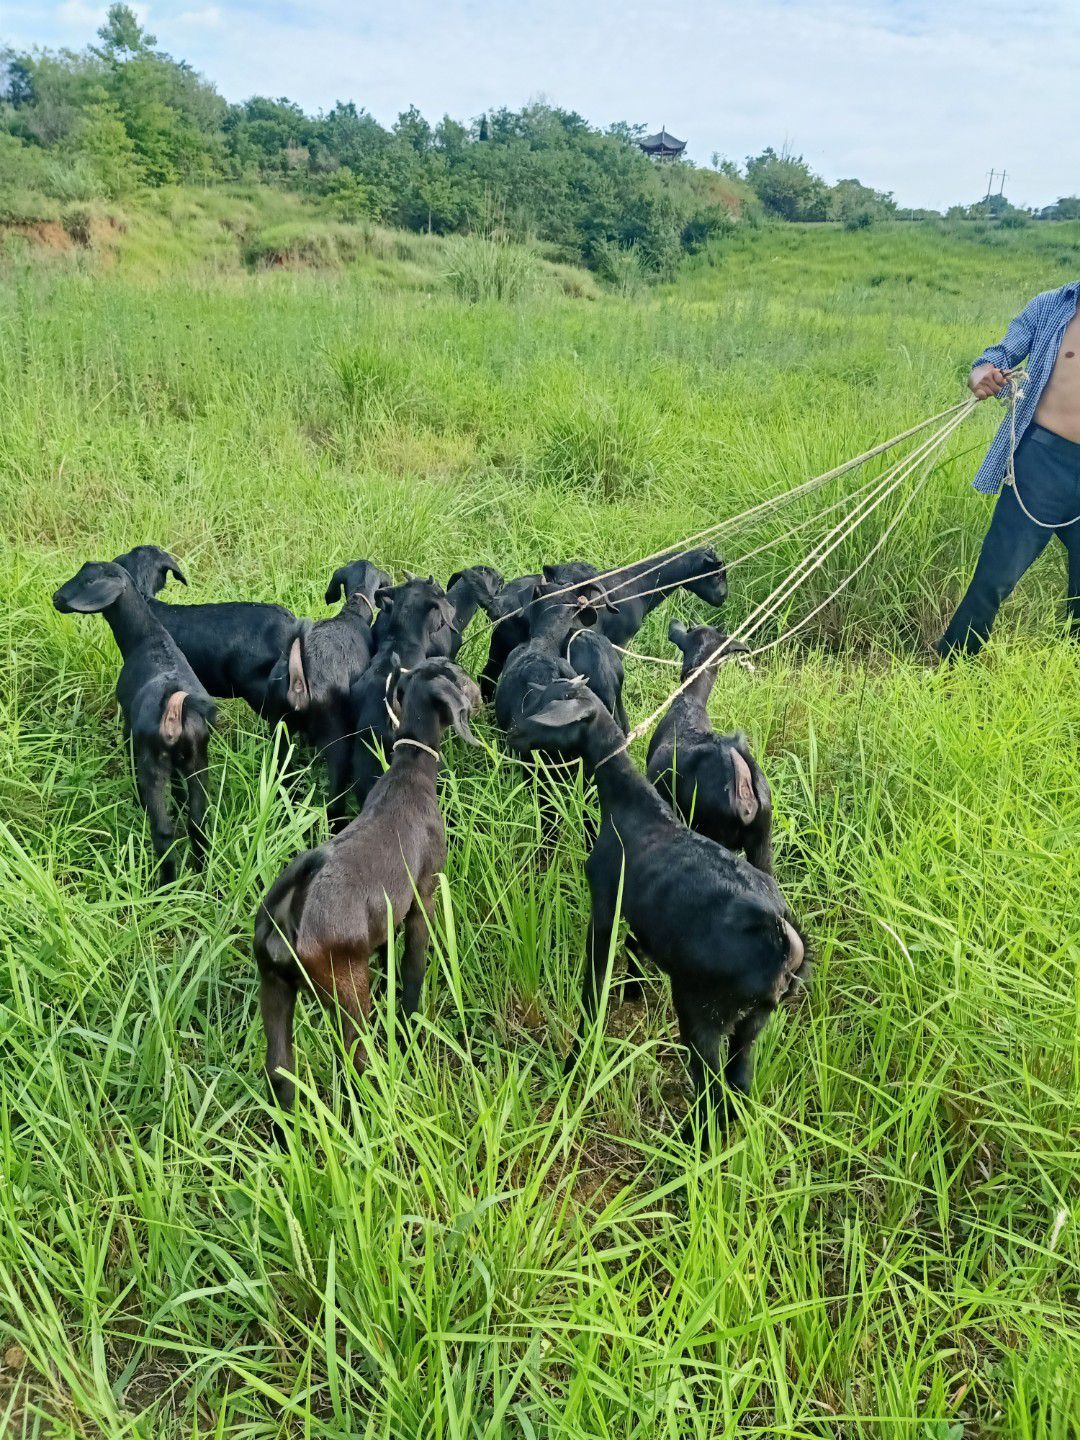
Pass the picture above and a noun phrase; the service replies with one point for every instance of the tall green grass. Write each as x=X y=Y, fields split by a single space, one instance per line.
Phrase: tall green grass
x=463 y=1243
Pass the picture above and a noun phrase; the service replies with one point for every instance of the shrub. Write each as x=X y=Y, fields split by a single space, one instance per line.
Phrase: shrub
x=613 y=445
x=305 y=242
x=77 y=221
x=618 y=266
x=859 y=219
x=487 y=268
x=376 y=384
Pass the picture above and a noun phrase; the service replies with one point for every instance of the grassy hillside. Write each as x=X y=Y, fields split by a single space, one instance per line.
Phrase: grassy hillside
x=461 y=1244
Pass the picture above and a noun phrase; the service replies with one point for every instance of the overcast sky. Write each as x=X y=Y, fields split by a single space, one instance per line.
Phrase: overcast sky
x=920 y=97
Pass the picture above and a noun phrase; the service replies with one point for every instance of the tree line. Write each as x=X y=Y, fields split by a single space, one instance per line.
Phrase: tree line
x=123 y=115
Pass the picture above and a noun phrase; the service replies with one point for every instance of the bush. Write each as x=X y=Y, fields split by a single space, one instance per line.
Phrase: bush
x=376 y=384
x=489 y=269
x=859 y=220
x=705 y=225
x=618 y=266
x=615 y=446
x=304 y=242
x=77 y=221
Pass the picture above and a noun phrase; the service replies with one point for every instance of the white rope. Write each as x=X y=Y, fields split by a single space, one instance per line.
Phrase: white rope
x=773 y=502
x=1015 y=380
x=886 y=486
x=417 y=744
x=738 y=522
x=888 y=483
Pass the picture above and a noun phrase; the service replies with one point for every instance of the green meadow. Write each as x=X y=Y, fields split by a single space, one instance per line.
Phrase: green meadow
x=463 y=1244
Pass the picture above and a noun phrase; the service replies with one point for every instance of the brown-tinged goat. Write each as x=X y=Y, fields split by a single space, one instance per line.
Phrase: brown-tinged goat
x=326 y=914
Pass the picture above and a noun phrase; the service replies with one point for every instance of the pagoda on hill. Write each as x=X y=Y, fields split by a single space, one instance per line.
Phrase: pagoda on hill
x=662 y=146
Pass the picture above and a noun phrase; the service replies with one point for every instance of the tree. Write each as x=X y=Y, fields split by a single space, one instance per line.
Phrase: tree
x=1066 y=208
x=786 y=185
x=122 y=37
x=103 y=140
x=856 y=206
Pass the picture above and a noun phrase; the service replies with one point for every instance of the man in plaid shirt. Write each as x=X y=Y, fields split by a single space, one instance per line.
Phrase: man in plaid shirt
x=1046 y=495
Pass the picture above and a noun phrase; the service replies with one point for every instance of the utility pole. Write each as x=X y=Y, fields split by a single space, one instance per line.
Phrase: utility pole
x=989 y=185
x=1001 y=188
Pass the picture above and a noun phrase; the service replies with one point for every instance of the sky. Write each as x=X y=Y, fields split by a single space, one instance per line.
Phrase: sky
x=920 y=97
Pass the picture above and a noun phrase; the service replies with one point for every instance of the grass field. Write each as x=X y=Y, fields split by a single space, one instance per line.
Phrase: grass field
x=461 y=1245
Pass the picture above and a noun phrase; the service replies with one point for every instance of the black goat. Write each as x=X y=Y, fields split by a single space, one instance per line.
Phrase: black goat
x=712 y=780
x=700 y=571
x=592 y=656
x=508 y=611
x=553 y=621
x=468 y=591
x=326 y=914
x=717 y=926
x=310 y=685
x=415 y=618
x=167 y=712
x=232 y=646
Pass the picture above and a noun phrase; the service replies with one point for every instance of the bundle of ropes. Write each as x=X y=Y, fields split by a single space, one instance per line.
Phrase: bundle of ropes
x=912 y=470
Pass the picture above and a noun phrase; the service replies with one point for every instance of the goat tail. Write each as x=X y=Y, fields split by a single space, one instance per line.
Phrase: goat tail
x=298 y=693
x=799 y=965
x=171 y=725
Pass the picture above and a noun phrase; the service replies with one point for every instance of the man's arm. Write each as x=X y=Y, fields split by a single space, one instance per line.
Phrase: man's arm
x=988 y=372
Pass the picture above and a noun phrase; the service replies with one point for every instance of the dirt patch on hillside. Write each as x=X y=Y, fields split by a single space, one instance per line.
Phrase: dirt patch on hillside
x=49 y=233
x=77 y=231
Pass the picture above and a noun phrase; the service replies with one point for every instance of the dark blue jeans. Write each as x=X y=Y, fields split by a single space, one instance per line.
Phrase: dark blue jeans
x=1048 y=479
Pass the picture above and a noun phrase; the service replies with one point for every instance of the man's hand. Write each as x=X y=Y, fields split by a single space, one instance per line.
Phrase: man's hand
x=986 y=380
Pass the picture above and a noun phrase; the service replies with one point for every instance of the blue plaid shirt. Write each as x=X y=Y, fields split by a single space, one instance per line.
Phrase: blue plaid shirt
x=1035 y=333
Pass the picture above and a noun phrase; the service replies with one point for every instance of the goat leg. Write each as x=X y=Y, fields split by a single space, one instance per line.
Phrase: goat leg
x=277 y=1001
x=701 y=1036
x=739 y=1069
x=194 y=770
x=338 y=760
x=632 y=986
x=151 y=777
x=414 y=959
x=597 y=950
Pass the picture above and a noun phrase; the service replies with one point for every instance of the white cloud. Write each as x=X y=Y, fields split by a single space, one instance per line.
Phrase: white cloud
x=207 y=18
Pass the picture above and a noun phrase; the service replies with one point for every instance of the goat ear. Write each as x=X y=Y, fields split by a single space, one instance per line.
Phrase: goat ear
x=566 y=710
x=97 y=594
x=454 y=578
x=171 y=566
x=678 y=634
x=384 y=597
x=457 y=707
x=336 y=589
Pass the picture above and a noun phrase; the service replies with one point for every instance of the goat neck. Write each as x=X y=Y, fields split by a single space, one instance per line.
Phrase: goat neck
x=659 y=579
x=466 y=602
x=358 y=607
x=420 y=723
x=695 y=697
x=131 y=620
x=620 y=785
x=552 y=628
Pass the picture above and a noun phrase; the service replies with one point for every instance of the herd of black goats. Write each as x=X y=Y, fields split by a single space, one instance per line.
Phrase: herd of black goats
x=378 y=682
